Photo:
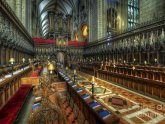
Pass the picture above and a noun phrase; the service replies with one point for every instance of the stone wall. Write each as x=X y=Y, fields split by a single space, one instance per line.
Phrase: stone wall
x=23 y=10
x=150 y=9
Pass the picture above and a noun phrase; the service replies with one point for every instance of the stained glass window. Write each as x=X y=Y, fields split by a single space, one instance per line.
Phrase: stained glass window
x=133 y=13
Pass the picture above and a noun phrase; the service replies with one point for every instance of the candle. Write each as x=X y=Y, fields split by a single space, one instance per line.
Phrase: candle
x=93 y=79
x=66 y=68
x=133 y=68
x=74 y=72
x=134 y=59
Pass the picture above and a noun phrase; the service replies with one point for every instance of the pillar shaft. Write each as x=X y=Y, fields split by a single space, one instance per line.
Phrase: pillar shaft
x=19 y=9
x=12 y=4
x=24 y=12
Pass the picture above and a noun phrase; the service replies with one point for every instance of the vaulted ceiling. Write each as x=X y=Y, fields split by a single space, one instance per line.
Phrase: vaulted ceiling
x=57 y=6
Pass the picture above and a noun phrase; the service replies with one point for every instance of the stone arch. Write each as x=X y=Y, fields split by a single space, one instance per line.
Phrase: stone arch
x=67 y=56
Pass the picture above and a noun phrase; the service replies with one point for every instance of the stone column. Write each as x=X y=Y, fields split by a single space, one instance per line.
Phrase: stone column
x=24 y=12
x=19 y=9
x=12 y=4
x=101 y=19
x=92 y=23
x=29 y=16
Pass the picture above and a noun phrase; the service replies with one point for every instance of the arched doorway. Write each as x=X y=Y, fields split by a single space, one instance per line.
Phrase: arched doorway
x=63 y=58
x=60 y=57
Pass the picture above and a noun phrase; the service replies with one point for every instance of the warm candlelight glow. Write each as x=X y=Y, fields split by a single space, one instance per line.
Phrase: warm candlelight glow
x=74 y=72
x=66 y=68
x=23 y=60
x=12 y=60
x=133 y=68
x=64 y=43
x=51 y=67
x=59 y=43
x=85 y=31
x=134 y=59
x=92 y=79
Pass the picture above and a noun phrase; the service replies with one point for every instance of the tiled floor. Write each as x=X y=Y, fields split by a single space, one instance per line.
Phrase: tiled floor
x=139 y=109
x=130 y=105
x=146 y=116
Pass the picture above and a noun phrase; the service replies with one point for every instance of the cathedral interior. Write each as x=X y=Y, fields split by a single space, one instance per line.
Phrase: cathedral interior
x=82 y=62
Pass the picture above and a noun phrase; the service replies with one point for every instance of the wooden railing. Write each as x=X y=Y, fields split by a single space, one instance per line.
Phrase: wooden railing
x=10 y=85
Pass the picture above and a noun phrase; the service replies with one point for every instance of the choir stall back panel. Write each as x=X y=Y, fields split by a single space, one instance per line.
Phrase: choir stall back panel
x=89 y=113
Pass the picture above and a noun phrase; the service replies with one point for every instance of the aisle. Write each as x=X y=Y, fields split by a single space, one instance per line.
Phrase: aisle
x=25 y=111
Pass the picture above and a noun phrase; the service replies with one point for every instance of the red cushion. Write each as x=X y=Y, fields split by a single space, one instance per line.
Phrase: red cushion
x=10 y=111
